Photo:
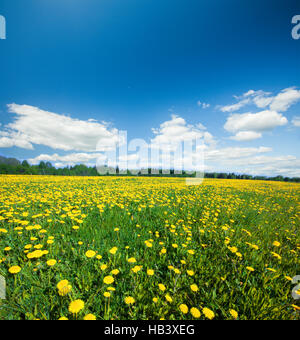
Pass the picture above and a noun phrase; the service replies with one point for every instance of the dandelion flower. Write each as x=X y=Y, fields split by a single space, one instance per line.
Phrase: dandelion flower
x=76 y=306
x=64 y=287
x=194 y=288
x=108 y=280
x=195 y=313
x=168 y=298
x=51 y=263
x=250 y=269
x=90 y=253
x=162 y=287
x=89 y=317
x=63 y=318
x=233 y=313
x=113 y=250
x=208 y=313
x=129 y=300
x=14 y=269
x=184 y=308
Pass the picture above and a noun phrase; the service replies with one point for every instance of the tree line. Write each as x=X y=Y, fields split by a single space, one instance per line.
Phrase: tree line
x=12 y=166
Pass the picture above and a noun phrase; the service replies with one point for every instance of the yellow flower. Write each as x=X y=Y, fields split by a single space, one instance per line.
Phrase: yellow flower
x=108 y=280
x=168 y=298
x=233 y=313
x=208 y=313
x=14 y=269
x=36 y=254
x=113 y=250
x=190 y=272
x=129 y=300
x=150 y=272
x=195 y=312
x=184 y=308
x=63 y=318
x=136 y=269
x=98 y=257
x=103 y=266
x=148 y=244
x=162 y=287
x=90 y=253
x=194 y=288
x=276 y=244
x=132 y=260
x=7 y=248
x=250 y=269
x=115 y=272
x=107 y=294
x=51 y=263
x=89 y=317
x=64 y=287
x=111 y=289
x=76 y=306
x=155 y=299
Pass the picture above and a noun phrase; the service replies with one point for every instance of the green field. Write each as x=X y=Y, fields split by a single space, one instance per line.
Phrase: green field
x=148 y=248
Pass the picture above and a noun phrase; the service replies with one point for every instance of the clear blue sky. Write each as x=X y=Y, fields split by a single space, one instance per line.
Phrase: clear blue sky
x=134 y=63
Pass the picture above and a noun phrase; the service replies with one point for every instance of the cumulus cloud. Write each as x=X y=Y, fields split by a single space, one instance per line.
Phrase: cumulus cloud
x=246 y=136
x=249 y=126
x=296 y=121
x=255 y=122
x=285 y=99
x=261 y=99
x=69 y=159
x=32 y=125
x=177 y=130
x=235 y=107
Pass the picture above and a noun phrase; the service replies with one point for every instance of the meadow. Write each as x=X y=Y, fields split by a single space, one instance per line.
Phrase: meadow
x=138 y=248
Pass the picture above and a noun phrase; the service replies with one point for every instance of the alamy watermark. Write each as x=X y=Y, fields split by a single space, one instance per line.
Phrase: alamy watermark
x=2 y=27
x=296 y=289
x=296 y=29
x=171 y=156
x=2 y=288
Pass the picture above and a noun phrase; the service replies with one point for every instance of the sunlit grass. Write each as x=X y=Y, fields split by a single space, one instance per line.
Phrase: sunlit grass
x=148 y=248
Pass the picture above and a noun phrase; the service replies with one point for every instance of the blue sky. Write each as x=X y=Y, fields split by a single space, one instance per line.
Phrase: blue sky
x=69 y=65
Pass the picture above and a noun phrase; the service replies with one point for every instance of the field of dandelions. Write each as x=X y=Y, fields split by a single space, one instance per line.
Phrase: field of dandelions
x=110 y=248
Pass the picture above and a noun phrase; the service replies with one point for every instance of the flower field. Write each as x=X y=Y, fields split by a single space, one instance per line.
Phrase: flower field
x=148 y=248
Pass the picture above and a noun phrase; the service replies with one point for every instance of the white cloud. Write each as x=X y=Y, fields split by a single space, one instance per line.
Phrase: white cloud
x=233 y=153
x=285 y=99
x=246 y=136
x=280 y=102
x=203 y=105
x=69 y=159
x=296 y=121
x=235 y=107
x=32 y=125
x=177 y=130
x=255 y=122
